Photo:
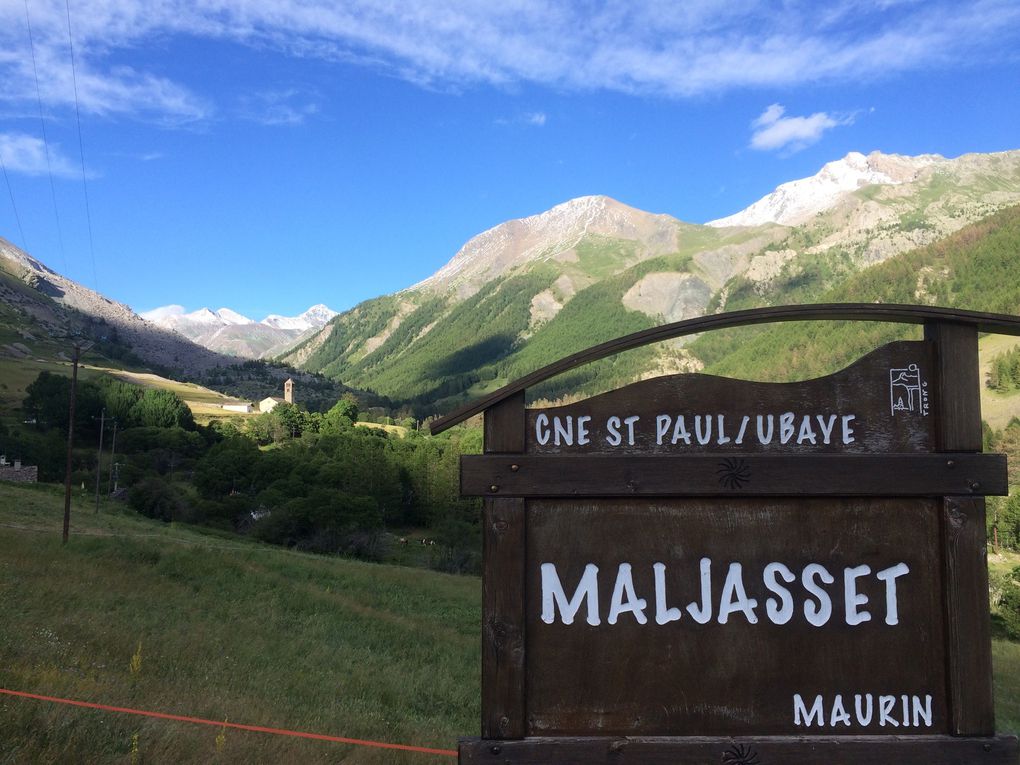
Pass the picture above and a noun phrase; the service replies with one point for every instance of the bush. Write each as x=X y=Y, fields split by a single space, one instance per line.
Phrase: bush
x=155 y=498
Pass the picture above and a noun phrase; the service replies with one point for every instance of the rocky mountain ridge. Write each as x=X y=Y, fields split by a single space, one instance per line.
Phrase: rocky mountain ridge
x=229 y=332
x=62 y=307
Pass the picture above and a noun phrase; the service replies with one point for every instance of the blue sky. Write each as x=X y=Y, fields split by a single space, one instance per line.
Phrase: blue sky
x=266 y=155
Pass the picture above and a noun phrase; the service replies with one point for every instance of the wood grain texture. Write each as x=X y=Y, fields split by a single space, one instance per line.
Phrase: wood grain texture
x=600 y=475
x=774 y=750
x=504 y=426
x=737 y=677
x=902 y=314
x=503 y=615
x=503 y=598
x=957 y=395
x=968 y=631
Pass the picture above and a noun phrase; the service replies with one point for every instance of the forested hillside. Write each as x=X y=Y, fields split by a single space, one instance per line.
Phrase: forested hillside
x=978 y=268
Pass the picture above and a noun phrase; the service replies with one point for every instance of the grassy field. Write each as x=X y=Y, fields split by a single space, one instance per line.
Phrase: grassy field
x=231 y=630
x=997 y=409
x=17 y=374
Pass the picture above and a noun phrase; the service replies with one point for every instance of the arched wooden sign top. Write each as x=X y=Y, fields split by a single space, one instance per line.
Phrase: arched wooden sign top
x=696 y=569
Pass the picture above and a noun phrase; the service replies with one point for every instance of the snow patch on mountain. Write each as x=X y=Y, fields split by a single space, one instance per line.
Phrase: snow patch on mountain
x=794 y=202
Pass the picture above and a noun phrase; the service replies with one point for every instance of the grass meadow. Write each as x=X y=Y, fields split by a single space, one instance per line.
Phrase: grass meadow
x=229 y=630
x=232 y=630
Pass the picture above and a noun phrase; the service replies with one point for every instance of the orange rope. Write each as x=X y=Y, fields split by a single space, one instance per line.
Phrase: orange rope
x=237 y=726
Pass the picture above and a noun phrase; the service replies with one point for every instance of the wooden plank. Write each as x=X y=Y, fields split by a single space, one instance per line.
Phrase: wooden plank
x=879 y=403
x=957 y=406
x=770 y=750
x=503 y=576
x=504 y=426
x=903 y=314
x=503 y=615
x=968 y=630
x=598 y=475
x=730 y=671
x=957 y=386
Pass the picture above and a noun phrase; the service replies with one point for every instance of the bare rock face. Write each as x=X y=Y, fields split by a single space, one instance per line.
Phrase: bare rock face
x=551 y=236
x=669 y=296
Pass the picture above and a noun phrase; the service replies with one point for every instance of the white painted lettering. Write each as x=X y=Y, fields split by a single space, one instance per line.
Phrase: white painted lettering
x=542 y=429
x=806 y=432
x=848 y=432
x=680 y=432
x=851 y=598
x=864 y=718
x=743 y=428
x=553 y=595
x=662 y=423
x=922 y=713
x=721 y=430
x=663 y=615
x=778 y=614
x=762 y=438
x=839 y=713
x=889 y=576
x=703 y=614
x=817 y=614
x=826 y=426
x=703 y=433
x=625 y=588
x=629 y=422
x=801 y=715
x=786 y=429
x=734 y=597
x=885 y=706
x=613 y=437
x=563 y=433
x=582 y=430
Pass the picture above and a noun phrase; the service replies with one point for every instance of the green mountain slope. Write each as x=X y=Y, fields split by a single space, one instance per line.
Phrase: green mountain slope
x=978 y=268
x=530 y=291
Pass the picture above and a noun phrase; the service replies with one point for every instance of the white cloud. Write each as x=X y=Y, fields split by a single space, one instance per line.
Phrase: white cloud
x=538 y=119
x=277 y=108
x=27 y=154
x=773 y=130
x=656 y=47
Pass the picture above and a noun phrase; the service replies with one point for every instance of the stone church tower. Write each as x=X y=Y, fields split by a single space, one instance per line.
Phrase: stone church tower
x=288 y=391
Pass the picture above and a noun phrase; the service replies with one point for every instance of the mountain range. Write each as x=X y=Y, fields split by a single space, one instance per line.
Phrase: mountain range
x=529 y=291
x=226 y=331
x=532 y=290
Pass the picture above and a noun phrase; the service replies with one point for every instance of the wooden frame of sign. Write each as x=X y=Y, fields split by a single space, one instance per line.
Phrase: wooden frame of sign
x=693 y=569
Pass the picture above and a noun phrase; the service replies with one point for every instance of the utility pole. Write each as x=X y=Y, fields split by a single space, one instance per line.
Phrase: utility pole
x=113 y=454
x=79 y=348
x=99 y=454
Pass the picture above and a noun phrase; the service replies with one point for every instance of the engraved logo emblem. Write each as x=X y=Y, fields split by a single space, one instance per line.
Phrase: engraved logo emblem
x=908 y=392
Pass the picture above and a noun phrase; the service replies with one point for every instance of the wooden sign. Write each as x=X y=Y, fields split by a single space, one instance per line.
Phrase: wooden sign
x=693 y=569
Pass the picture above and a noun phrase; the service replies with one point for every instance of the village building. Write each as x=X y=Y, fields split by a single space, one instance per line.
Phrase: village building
x=268 y=404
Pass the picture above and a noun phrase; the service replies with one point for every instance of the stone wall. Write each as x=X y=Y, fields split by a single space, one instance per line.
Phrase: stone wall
x=20 y=473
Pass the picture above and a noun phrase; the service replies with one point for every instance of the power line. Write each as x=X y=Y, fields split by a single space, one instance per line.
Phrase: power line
x=46 y=142
x=24 y=242
x=81 y=147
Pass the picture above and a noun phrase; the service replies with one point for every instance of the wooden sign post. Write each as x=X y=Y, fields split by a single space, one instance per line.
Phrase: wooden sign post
x=693 y=569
